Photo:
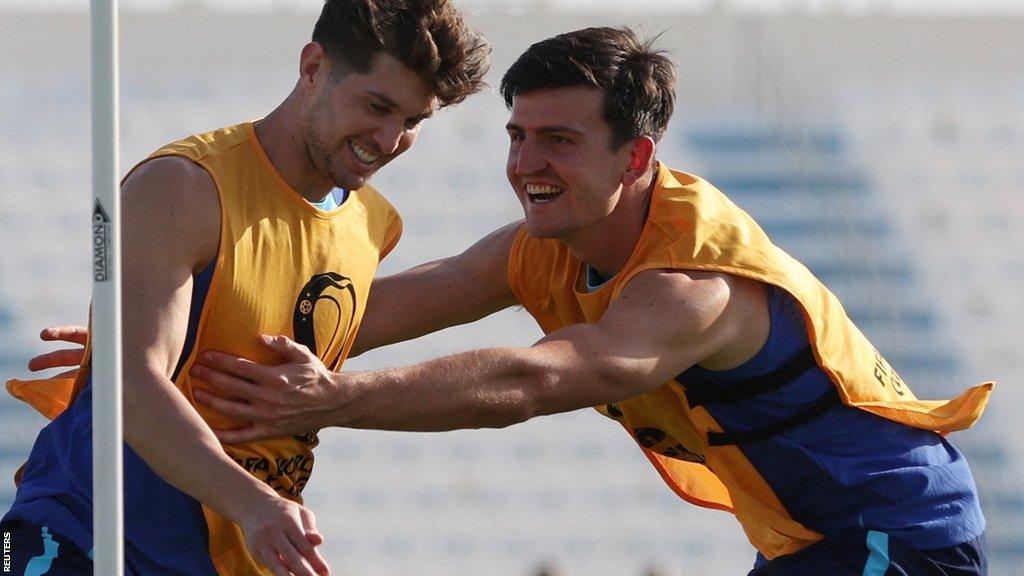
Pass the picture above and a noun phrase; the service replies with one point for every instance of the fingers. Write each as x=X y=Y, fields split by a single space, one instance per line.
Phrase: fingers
x=231 y=385
x=283 y=545
x=236 y=409
x=235 y=366
x=60 y=358
x=66 y=333
x=285 y=346
x=301 y=539
x=307 y=541
x=57 y=359
x=276 y=565
x=309 y=523
x=294 y=561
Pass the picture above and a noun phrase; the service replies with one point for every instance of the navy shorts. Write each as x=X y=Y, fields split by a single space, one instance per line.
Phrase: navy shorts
x=31 y=550
x=871 y=553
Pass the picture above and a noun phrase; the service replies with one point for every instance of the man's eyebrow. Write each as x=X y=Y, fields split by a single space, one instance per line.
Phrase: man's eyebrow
x=554 y=128
x=385 y=100
x=561 y=129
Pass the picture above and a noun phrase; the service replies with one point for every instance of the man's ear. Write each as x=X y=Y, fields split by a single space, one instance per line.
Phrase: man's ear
x=641 y=155
x=311 y=61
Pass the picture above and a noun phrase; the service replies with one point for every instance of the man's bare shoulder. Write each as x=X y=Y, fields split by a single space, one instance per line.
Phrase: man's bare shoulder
x=693 y=287
x=174 y=177
x=177 y=198
x=724 y=316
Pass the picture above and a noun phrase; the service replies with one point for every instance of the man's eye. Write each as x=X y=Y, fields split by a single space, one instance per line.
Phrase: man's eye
x=515 y=136
x=556 y=139
x=378 y=109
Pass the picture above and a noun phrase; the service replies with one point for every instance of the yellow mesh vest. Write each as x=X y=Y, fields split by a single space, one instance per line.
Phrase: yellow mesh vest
x=283 y=267
x=693 y=226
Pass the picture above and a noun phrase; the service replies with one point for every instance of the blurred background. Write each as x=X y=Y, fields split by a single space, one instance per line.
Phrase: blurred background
x=881 y=142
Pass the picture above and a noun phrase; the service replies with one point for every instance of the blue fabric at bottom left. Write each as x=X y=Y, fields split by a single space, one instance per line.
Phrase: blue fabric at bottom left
x=165 y=529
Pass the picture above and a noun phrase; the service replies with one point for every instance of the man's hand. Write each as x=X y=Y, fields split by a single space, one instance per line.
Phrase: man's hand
x=64 y=357
x=283 y=536
x=282 y=400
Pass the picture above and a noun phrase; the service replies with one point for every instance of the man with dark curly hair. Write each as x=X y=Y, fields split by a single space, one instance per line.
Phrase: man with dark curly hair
x=266 y=226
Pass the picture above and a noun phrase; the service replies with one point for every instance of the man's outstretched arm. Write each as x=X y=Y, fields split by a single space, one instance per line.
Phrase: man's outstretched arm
x=663 y=323
x=439 y=294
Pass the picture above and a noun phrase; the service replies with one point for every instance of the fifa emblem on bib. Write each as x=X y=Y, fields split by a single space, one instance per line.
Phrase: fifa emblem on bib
x=324 y=313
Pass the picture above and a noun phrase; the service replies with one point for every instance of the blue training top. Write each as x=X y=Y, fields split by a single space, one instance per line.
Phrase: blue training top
x=846 y=469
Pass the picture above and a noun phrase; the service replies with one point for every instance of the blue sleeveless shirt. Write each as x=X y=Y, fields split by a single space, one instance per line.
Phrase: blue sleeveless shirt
x=846 y=469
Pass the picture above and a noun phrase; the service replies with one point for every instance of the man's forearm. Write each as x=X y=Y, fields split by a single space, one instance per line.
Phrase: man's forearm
x=167 y=432
x=489 y=388
x=573 y=368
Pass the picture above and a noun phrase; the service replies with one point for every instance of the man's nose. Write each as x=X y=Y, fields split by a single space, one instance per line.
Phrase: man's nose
x=389 y=137
x=528 y=159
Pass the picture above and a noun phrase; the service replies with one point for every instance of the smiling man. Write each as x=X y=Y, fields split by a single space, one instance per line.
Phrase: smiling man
x=266 y=226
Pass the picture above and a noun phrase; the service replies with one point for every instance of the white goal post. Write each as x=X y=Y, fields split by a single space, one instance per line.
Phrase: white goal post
x=107 y=457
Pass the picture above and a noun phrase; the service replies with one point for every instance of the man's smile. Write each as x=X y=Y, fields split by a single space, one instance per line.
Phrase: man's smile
x=541 y=193
x=364 y=155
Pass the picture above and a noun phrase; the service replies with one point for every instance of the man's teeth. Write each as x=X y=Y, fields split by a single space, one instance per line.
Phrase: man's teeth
x=361 y=153
x=543 y=190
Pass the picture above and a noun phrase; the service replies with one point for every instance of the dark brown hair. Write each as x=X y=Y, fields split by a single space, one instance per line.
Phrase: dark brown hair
x=639 y=82
x=429 y=36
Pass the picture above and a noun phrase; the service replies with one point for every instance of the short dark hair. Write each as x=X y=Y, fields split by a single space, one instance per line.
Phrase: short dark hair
x=639 y=82
x=431 y=37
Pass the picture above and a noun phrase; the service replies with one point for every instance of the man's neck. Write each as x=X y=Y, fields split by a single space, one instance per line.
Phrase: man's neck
x=279 y=135
x=607 y=246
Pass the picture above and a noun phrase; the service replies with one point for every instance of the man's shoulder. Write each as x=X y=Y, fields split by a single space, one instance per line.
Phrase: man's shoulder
x=198 y=147
x=723 y=317
x=174 y=178
x=177 y=198
x=179 y=168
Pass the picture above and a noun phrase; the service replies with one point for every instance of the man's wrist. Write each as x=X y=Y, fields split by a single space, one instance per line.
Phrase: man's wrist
x=248 y=494
x=332 y=416
x=345 y=387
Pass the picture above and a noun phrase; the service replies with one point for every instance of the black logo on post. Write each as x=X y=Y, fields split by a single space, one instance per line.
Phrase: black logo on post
x=318 y=326
x=100 y=243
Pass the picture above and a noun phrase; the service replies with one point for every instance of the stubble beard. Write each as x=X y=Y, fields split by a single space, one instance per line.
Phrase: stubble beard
x=327 y=161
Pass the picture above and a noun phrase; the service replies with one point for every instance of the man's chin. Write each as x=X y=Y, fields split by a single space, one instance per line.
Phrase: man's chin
x=542 y=232
x=352 y=182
